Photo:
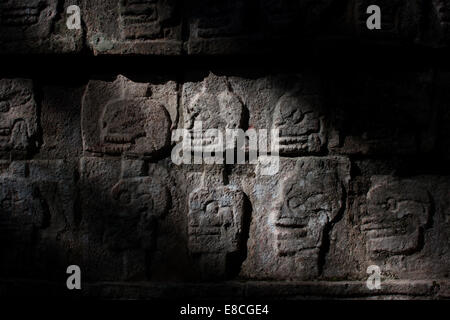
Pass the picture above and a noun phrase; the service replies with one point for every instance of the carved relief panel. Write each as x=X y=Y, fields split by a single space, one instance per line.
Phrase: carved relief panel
x=124 y=117
x=147 y=19
x=121 y=222
x=26 y=19
x=213 y=104
x=215 y=227
x=311 y=199
x=300 y=124
x=397 y=213
x=18 y=118
x=139 y=203
x=36 y=214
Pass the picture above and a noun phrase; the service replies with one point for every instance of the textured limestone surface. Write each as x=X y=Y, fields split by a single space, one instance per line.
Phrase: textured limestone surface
x=94 y=171
x=87 y=178
x=186 y=27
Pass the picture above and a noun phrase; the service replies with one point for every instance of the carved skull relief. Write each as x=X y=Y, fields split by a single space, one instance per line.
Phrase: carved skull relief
x=139 y=203
x=144 y=19
x=311 y=197
x=123 y=117
x=215 y=224
x=215 y=106
x=215 y=220
x=300 y=125
x=18 y=119
x=26 y=19
x=397 y=212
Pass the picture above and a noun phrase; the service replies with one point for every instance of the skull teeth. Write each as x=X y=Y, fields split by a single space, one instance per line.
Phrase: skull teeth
x=118 y=139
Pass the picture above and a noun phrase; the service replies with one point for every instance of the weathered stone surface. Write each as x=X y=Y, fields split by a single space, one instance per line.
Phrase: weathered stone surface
x=292 y=215
x=403 y=223
x=210 y=104
x=134 y=27
x=397 y=213
x=18 y=118
x=120 y=225
x=36 y=26
x=292 y=104
x=372 y=114
x=205 y=27
x=216 y=228
x=217 y=27
x=37 y=212
x=124 y=117
x=61 y=118
x=230 y=27
x=394 y=222
x=300 y=126
x=363 y=180
x=309 y=201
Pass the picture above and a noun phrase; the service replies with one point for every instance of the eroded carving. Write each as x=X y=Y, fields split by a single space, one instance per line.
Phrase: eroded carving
x=26 y=19
x=36 y=199
x=219 y=18
x=311 y=198
x=215 y=226
x=213 y=105
x=126 y=117
x=21 y=208
x=139 y=202
x=301 y=128
x=397 y=212
x=122 y=220
x=18 y=119
x=143 y=19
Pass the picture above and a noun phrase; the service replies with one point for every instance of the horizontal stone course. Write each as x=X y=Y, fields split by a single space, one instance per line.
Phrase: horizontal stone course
x=204 y=27
x=87 y=178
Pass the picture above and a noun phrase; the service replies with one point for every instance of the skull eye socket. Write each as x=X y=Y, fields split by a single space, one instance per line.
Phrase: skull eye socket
x=294 y=202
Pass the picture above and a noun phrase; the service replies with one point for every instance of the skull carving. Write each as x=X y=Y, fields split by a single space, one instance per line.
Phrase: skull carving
x=397 y=213
x=300 y=125
x=139 y=203
x=215 y=107
x=311 y=198
x=145 y=19
x=124 y=117
x=22 y=19
x=215 y=226
x=18 y=119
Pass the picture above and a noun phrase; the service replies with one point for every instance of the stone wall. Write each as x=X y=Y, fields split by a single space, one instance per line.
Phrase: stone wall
x=87 y=177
